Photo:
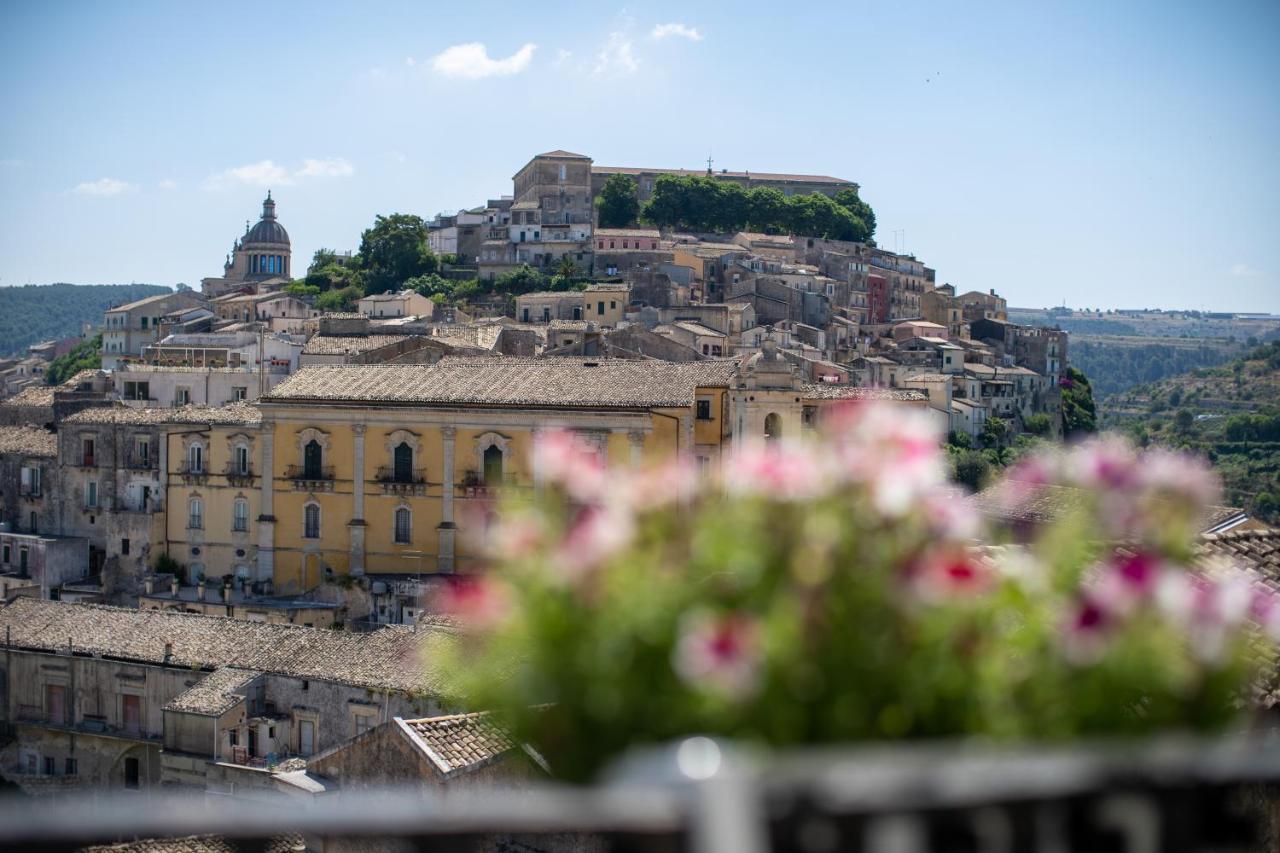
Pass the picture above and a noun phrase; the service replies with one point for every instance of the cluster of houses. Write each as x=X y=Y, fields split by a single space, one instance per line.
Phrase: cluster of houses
x=182 y=530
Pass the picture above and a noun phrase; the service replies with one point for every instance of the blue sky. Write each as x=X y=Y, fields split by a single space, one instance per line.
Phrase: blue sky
x=1105 y=154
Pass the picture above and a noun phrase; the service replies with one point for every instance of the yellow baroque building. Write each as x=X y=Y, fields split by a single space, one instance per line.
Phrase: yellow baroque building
x=371 y=470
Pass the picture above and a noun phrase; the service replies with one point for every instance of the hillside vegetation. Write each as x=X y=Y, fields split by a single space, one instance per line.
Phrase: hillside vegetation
x=1229 y=413
x=1115 y=363
x=33 y=313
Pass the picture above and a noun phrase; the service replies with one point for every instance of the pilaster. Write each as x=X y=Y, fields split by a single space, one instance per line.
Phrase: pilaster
x=448 y=529
x=357 y=524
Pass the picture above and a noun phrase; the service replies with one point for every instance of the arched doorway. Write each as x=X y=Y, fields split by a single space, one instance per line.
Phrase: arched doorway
x=772 y=426
x=312 y=460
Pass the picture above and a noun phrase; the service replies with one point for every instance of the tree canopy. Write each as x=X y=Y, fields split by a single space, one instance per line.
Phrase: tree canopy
x=86 y=355
x=700 y=203
x=617 y=206
x=1079 y=415
x=393 y=251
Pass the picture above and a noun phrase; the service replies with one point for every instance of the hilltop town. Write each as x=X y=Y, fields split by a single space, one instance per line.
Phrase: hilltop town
x=185 y=527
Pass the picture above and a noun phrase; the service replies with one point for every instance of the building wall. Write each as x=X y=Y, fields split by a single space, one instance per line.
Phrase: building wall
x=444 y=507
x=215 y=549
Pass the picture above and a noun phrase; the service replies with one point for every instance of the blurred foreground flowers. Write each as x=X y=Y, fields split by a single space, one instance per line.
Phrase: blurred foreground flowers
x=838 y=589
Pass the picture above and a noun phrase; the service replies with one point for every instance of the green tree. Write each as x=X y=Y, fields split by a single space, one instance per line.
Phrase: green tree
x=566 y=268
x=852 y=202
x=994 y=431
x=522 y=279
x=1079 y=414
x=617 y=205
x=322 y=258
x=343 y=299
x=971 y=469
x=86 y=355
x=1038 y=424
x=1184 y=420
x=393 y=251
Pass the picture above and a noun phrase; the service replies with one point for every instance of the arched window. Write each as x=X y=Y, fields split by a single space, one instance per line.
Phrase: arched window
x=312 y=460
x=242 y=459
x=772 y=426
x=493 y=465
x=403 y=459
x=195 y=459
x=240 y=516
x=195 y=514
x=311 y=522
x=404 y=526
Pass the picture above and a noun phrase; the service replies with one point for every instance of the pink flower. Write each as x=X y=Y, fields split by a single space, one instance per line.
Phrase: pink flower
x=951 y=515
x=566 y=460
x=1087 y=630
x=719 y=653
x=479 y=602
x=514 y=535
x=895 y=452
x=1108 y=464
x=655 y=486
x=949 y=574
x=784 y=471
x=595 y=534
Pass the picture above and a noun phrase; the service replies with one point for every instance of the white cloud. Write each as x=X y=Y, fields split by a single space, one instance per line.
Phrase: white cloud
x=267 y=173
x=104 y=187
x=168 y=184
x=678 y=30
x=471 y=61
x=409 y=61
x=616 y=57
x=1244 y=271
x=330 y=167
x=563 y=56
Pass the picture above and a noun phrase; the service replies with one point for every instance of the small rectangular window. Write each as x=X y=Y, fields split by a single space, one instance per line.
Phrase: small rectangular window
x=124 y=546
x=50 y=766
x=704 y=410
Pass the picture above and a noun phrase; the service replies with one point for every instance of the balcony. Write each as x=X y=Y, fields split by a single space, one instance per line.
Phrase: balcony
x=310 y=478
x=31 y=492
x=193 y=475
x=415 y=485
x=237 y=476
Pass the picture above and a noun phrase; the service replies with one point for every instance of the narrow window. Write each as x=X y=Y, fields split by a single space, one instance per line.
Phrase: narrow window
x=131 y=774
x=91 y=494
x=493 y=465
x=404 y=523
x=312 y=459
x=195 y=514
x=195 y=459
x=240 y=517
x=403 y=460
x=311 y=522
x=242 y=459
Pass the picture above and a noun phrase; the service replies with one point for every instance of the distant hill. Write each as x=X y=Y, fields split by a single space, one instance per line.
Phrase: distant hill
x=1229 y=413
x=33 y=313
x=1117 y=363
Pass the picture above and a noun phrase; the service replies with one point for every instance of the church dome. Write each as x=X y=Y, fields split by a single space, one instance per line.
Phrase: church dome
x=268 y=229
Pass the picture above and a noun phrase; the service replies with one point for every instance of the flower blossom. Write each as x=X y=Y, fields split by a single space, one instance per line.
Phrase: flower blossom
x=595 y=533
x=1129 y=580
x=719 y=653
x=566 y=460
x=478 y=602
x=653 y=487
x=895 y=452
x=785 y=471
x=1087 y=631
x=949 y=574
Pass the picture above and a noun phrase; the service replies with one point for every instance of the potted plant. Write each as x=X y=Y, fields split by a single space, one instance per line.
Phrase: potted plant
x=839 y=590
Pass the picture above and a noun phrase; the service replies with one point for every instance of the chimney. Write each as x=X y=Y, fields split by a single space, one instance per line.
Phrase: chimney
x=168 y=652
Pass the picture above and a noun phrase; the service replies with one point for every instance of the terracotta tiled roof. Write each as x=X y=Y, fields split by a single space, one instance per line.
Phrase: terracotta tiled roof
x=1257 y=549
x=652 y=233
x=1047 y=503
x=28 y=441
x=348 y=344
x=461 y=742
x=498 y=381
x=196 y=844
x=392 y=658
x=825 y=391
x=236 y=414
x=213 y=694
x=40 y=395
